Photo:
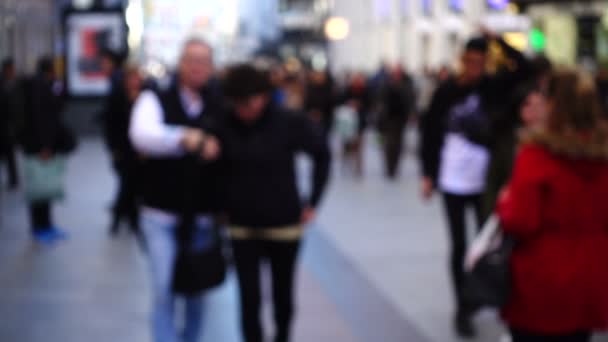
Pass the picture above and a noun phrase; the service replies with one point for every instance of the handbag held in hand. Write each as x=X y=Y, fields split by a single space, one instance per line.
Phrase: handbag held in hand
x=487 y=267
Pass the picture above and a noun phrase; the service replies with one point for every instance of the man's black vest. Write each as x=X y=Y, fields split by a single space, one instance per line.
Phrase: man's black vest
x=182 y=184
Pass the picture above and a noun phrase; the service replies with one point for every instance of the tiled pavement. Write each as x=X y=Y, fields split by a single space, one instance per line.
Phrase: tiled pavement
x=373 y=268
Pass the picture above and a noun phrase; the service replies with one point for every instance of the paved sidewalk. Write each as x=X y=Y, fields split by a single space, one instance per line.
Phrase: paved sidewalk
x=374 y=268
x=93 y=288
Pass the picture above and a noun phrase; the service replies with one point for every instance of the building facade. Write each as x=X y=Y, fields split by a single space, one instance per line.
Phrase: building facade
x=573 y=32
x=415 y=33
x=28 y=30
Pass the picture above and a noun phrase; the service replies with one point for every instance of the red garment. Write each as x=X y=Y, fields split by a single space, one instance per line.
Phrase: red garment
x=557 y=209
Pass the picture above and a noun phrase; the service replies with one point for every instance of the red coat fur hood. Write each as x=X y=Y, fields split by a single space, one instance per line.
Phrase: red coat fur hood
x=556 y=208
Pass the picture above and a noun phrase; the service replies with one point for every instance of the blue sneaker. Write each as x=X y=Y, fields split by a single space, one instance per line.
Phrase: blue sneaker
x=44 y=237
x=58 y=234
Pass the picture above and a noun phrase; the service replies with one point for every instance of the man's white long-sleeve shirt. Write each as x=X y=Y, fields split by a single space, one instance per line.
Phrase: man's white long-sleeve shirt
x=152 y=136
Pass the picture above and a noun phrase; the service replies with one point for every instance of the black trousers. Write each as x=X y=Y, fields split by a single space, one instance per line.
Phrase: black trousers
x=456 y=207
x=7 y=151
x=40 y=216
x=249 y=256
x=521 y=336
x=393 y=145
x=125 y=204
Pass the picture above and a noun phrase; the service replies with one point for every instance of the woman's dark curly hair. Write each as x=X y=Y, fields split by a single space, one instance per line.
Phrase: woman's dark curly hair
x=243 y=81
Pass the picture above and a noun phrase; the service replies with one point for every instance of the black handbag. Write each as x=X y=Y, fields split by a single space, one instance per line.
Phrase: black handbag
x=488 y=282
x=198 y=266
x=199 y=269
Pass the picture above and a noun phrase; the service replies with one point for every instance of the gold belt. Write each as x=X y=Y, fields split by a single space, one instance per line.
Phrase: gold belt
x=286 y=233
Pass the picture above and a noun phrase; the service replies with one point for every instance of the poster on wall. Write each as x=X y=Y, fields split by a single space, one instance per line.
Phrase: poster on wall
x=88 y=34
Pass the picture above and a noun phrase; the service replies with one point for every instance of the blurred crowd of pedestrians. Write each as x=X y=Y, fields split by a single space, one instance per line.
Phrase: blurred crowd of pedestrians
x=206 y=173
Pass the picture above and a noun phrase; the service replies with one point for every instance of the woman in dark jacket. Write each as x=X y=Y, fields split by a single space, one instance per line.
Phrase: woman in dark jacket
x=44 y=137
x=265 y=212
x=555 y=207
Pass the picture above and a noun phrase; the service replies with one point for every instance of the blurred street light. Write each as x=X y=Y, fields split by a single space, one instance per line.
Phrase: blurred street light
x=337 y=28
x=134 y=15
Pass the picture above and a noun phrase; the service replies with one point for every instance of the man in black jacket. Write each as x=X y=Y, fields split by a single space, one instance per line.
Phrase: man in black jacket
x=266 y=214
x=456 y=136
x=398 y=102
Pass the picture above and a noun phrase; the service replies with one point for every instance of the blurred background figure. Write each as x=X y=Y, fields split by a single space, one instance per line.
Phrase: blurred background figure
x=529 y=108
x=541 y=70
x=358 y=97
x=46 y=142
x=112 y=67
x=294 y=91
x=320 y=99
x=560 y=177
x=117 y=117
x=277 y=78
x=398 y=103
x=11 y=118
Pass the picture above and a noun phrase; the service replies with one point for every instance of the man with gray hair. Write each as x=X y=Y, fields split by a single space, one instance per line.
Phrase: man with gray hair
x=179 y=182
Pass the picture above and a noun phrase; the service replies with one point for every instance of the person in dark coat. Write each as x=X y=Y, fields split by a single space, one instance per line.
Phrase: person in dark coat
x=259 y=143
x=398 y=102
x=556 y=211
x=455 y=148
x=117 y=117
x=527 y=105
x=11 y=114
x=320 y=99
x=45 y=136
x=359 y=97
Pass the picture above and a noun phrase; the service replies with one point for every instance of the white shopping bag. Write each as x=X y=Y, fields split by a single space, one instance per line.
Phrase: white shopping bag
x=347 y=122
x=489 y=238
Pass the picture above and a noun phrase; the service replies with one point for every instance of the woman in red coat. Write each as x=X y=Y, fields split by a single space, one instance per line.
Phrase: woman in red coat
x=555 y=207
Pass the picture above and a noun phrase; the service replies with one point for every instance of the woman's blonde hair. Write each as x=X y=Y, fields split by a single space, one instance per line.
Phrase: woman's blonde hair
x=576 y=125
x=575 y=102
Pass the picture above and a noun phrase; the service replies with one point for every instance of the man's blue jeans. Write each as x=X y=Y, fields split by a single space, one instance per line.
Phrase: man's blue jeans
x=162 y=250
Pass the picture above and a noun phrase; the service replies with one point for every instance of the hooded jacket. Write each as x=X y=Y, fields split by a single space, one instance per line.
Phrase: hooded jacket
x=556 y=209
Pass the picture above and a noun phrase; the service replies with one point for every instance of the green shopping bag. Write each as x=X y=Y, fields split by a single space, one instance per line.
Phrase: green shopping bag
x=44 y=179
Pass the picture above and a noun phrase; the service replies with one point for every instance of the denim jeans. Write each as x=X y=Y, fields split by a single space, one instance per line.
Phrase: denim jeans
x=162 y=250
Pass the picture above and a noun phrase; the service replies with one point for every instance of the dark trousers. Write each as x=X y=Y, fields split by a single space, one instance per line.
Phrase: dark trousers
x=125 y=204
x=249 y=257
x=40 y=216
x=8 y=153
x=456 y=207
x=521 y=336
x=393 y=145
